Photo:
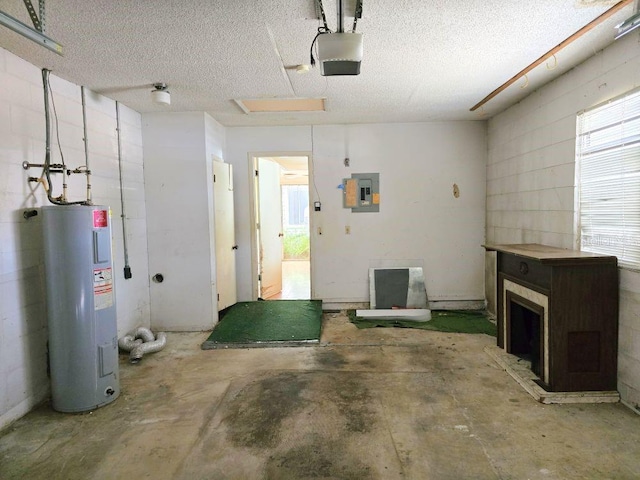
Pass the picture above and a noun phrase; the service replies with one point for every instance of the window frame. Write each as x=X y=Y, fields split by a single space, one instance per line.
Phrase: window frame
x=614 y=186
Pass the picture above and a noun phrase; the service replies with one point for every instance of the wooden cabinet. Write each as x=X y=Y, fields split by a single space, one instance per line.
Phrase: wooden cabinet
x=564 y=305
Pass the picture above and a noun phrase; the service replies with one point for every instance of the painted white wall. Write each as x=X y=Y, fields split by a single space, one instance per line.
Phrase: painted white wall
x=530 y=178
x=240 y=142
x=420 y=222
x=23 y=325
x=178 y=180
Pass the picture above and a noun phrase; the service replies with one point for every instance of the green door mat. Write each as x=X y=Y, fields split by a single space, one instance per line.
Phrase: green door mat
x=268 y=323
x=454 y=321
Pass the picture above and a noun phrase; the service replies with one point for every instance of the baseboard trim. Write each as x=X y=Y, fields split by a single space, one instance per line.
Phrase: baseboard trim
x=433 y=305
x=457 y=304
x=337 y=306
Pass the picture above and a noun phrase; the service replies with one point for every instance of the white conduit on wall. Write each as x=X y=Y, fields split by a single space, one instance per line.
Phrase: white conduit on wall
x=141 y=341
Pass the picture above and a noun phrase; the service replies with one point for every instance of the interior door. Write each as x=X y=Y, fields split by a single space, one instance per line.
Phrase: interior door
x=224 y=234
x=270 y=227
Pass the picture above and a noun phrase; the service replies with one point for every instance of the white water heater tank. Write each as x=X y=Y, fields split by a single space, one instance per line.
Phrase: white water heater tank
x=81 y=307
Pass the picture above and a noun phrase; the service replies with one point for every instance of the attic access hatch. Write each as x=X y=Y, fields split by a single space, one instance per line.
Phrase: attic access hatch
x=397 y=294
x=261 y=105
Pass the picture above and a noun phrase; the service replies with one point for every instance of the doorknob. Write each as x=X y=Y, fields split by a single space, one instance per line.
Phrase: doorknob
x=281 y=234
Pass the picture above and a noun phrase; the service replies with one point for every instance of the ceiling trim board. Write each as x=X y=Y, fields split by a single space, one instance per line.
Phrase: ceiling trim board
x=589 y=26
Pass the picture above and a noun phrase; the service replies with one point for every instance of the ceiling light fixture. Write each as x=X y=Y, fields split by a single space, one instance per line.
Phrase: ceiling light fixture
x=160 y=94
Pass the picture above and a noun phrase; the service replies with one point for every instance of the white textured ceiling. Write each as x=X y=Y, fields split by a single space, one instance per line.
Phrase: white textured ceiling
x=423 y=60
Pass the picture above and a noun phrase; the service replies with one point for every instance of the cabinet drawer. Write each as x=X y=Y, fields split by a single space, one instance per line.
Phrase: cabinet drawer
x=528 y=270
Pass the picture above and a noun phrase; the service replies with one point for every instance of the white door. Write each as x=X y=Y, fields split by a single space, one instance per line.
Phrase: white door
x=270 y=227
x=224 y=234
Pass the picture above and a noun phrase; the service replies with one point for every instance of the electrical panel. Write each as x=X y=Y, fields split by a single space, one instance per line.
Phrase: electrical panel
x=361 y=192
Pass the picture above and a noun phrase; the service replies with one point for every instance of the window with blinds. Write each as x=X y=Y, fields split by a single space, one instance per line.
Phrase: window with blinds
x=608 y=175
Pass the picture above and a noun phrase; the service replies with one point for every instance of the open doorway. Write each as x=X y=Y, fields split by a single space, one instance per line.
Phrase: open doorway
x=281 y=251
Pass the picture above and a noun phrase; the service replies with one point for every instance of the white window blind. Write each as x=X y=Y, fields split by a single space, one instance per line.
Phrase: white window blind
x=608 y=172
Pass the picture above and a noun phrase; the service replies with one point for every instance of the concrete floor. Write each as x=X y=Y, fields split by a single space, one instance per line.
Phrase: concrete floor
x=365 y=404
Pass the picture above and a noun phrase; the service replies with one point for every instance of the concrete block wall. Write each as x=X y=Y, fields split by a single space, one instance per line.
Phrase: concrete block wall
x=531 y=185
x=178 y=151
x=23 y=324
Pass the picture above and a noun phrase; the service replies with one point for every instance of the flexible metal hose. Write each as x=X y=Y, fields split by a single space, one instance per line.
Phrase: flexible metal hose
x=148 y=347
x=141 y=341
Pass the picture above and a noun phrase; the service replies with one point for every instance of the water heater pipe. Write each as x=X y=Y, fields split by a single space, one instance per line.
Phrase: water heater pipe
x=86 y=145
x=47 y=122
x=46 y=167
x=127 y=268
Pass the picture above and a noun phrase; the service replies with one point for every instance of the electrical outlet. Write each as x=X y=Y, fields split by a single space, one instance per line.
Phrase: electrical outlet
x=347 y=230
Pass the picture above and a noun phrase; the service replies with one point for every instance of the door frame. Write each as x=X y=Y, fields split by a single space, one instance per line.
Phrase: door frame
x=253 y=214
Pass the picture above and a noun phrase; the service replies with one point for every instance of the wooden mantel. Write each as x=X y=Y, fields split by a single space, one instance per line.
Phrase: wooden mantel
x=548 y=255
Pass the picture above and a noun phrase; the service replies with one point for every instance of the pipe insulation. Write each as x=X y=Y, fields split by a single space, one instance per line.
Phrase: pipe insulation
x=141 y=341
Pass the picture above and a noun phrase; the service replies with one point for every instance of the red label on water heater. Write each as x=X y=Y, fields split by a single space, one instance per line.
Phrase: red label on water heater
x=100 y=218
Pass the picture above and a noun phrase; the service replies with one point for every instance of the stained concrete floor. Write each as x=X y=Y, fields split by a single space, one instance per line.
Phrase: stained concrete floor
x=364 y=404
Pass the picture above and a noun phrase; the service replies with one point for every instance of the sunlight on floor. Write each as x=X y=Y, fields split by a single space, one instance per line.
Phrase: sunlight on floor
x=296 y=283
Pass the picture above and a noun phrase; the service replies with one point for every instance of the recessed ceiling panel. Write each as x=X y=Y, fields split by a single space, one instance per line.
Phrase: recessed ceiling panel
x=282 y=105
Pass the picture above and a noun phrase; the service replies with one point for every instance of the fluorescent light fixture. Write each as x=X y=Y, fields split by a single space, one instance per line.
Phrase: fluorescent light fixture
x=28 y=32
x=628 y=25
x=282 y=105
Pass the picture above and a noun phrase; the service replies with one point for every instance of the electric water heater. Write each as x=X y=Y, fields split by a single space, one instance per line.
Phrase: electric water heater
x=81 y=307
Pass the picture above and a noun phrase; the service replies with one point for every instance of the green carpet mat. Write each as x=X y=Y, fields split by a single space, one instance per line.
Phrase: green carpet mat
x=455 y=321
x=267 y=323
